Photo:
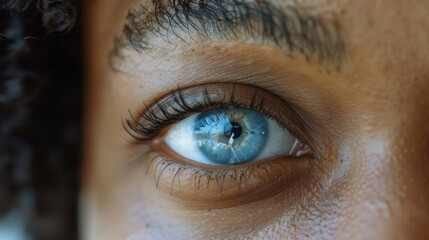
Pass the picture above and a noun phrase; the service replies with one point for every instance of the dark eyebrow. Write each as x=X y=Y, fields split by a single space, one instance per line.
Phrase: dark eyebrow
x=289 y=28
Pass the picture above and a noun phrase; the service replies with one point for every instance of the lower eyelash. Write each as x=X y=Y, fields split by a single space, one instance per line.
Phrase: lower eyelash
x=253 y=177
x=200 y=177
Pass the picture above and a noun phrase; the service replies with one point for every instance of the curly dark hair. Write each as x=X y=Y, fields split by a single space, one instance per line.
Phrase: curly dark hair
x=40 y=114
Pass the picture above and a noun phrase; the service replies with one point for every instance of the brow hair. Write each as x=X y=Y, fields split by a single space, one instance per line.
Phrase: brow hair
x=289 y=28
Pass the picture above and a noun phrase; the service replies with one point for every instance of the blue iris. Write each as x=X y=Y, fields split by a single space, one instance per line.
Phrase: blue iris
x=230 y=135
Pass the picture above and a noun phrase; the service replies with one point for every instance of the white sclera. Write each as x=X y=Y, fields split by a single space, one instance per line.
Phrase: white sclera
x=180 y=139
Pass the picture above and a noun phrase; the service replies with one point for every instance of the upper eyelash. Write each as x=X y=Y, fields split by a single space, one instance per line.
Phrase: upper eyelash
x=156 y=122
x=175 y=107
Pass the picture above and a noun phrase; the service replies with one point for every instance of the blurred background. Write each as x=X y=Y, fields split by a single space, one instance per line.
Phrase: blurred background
x=40 y=118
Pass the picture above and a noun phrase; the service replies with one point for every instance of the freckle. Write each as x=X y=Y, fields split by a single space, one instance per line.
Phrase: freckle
x=147 y=225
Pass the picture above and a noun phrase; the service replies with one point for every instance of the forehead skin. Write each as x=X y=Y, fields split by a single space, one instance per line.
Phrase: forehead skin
x=380 y=189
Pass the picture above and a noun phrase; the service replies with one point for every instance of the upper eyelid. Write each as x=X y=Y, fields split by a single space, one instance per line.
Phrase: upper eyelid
x=289 y=28
x=146 y=126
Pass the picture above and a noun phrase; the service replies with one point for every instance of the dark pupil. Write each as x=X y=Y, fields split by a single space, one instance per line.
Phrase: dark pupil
x=236 y=130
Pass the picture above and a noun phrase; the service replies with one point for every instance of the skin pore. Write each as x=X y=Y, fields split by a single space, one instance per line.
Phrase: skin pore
x=364 y=117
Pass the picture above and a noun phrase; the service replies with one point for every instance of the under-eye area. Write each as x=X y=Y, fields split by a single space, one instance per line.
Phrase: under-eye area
x=221 y=142
x=226 y=186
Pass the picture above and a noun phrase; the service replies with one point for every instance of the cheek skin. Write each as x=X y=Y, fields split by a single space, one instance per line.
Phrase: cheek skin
x=386 y=194
x=372 y=185
x=388 y=182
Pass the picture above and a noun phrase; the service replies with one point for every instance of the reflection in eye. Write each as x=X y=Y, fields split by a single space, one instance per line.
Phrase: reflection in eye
x=229 y=136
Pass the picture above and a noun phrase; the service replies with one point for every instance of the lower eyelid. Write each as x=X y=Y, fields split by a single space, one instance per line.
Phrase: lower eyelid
x=224 y=187
x=208 y=187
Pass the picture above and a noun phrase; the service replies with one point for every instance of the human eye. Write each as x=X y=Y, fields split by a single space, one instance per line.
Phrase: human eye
x=221 y=141
x=227 y=136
